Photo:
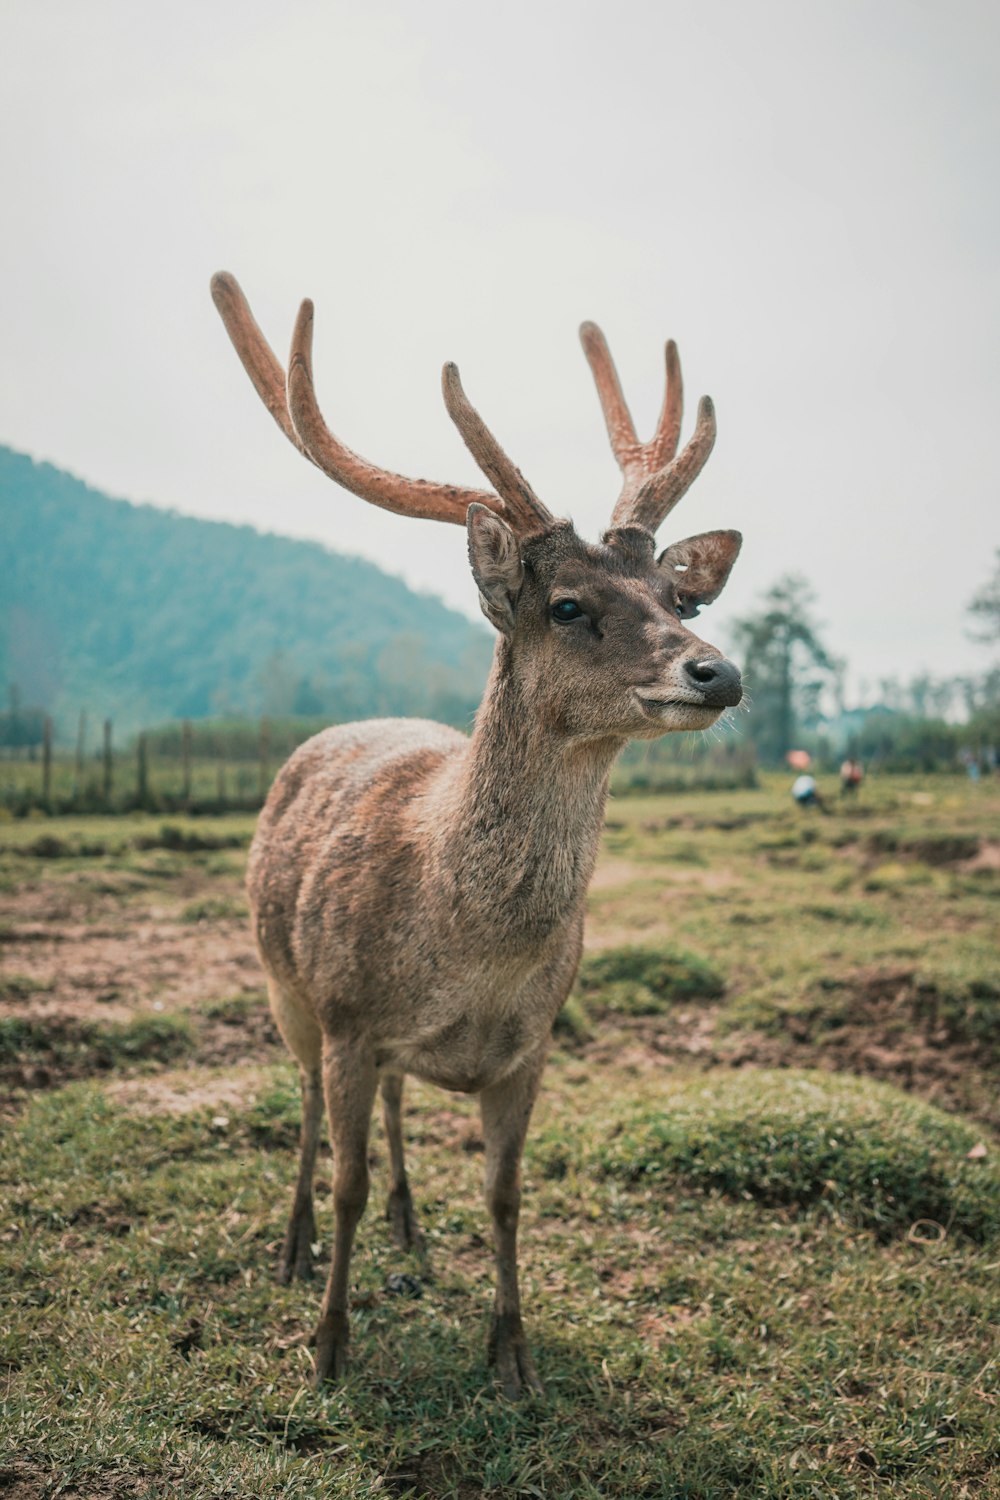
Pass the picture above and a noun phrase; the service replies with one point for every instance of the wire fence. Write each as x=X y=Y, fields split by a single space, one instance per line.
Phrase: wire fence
x=177 y=770
x=201 y=766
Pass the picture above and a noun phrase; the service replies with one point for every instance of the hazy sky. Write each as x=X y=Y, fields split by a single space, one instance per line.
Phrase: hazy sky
x=804 y=195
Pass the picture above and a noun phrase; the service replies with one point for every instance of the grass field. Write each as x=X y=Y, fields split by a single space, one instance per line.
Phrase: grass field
x=761 y=1231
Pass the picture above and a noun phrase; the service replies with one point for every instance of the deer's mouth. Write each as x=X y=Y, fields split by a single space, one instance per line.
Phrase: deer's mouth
x=693 y=713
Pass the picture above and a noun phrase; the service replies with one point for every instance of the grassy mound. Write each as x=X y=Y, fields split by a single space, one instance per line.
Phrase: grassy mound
x=70 y=1048
x=863 y=1152
x=636 y=980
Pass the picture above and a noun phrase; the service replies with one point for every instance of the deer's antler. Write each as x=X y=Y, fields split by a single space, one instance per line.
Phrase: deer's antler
x=653 y=478
x=523 y=504
x=293 y=405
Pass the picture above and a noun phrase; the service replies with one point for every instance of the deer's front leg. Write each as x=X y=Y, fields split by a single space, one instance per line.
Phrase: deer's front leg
x=506 y=1110
x=349 y=1082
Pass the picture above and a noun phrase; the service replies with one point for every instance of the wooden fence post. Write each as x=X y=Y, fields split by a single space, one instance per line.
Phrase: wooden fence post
x=47 y=762
x=81 y=741
x=108 y=763
x=186 y=763
x=265 y=742
x=142 y=773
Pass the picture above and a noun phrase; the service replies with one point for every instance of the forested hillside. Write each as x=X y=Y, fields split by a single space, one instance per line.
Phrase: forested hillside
x=142 y=615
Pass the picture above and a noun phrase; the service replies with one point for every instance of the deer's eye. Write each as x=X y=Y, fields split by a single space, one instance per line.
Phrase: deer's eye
x=565 y=610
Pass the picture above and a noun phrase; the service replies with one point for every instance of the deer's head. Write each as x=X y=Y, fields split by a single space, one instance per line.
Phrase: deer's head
x=597 y=633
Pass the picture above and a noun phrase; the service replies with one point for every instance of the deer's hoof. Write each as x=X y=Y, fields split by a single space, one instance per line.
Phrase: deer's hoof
x=509 y=1353
x=331 y=1349
x=402 y=1218
x=296 y=1257
x=296 y=1263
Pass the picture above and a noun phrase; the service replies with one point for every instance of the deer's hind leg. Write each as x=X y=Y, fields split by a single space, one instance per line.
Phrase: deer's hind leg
x=350 y=1079
x=399 y=1207
x=303 y=1039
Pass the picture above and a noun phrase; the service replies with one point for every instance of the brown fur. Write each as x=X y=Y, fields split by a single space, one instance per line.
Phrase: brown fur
x=418 y=896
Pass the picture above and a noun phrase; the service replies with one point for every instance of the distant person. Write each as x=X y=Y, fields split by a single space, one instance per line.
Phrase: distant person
x=852 y=773
x=971 y=764
x=806 y=793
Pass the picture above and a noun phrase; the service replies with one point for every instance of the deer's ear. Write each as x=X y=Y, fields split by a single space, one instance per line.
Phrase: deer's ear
x=496 y=565
x=699 y=567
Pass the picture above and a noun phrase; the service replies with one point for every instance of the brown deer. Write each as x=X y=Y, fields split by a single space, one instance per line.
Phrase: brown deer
x=418 y=895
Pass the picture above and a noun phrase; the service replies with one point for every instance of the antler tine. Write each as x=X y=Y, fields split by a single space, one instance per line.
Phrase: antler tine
x=661 y=491
x=621 y=429
x=654 y=480
x=408 y=497
x=292 y=403
x=525 y=510
x=668 y=429
x=256 y=354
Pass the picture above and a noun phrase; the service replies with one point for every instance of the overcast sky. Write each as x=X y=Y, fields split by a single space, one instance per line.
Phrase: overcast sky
x=803 y=195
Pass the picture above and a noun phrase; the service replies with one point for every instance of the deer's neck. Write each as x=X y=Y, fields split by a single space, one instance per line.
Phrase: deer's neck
x=525 y=815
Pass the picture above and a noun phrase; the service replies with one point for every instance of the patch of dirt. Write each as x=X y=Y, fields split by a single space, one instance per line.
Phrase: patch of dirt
x=82 y=961
x=987 y=857
x=25 y=1481
x=70 y=1047
x=182 y=967
x=659 y=1328
x=888 y=1030
x=954 y=1079
x=611 y=872
x=183 y=1091
x=427 y=1474
x=449 y=1129
x=233 y=1041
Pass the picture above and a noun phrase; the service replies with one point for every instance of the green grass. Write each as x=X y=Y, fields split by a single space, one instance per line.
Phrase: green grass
x=637 y=980
x=812 y=935
x=72 y=1047
x=214 y=909
x=748 y=1268
x=860 y=1151
x=110 y=836
x=701 y=1331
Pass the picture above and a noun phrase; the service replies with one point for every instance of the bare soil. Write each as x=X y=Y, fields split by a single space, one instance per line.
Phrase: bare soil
x=75 y=957
x=102 y=947
x=887 y=1031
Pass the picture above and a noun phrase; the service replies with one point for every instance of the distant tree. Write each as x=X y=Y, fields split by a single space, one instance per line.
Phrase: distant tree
x=919 y=690
x=891 y=693
x=278 y=684
x=785 y=663
x=894 y=741
x=984 y=607
x=145 y=614
x=940 y=697
x=309 y=698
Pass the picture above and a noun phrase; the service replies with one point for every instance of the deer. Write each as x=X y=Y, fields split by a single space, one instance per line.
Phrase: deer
x=417 y=894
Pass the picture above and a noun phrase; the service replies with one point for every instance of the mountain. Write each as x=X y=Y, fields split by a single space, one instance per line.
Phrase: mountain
x=140 y=615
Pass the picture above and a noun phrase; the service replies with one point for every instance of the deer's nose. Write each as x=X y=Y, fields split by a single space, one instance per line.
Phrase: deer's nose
x=717 y=679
